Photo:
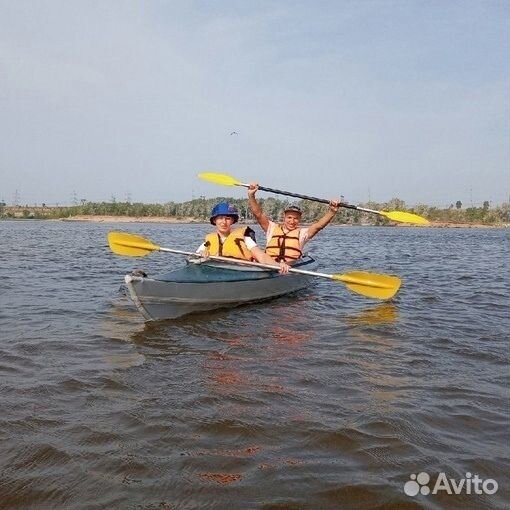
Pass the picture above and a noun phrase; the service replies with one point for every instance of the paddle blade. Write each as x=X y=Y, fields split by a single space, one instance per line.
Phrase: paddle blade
x=406 y=217
x=373 y=285
x=130 y=245
x=222 y=179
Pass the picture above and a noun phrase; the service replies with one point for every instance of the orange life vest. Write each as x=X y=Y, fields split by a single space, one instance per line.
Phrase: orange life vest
x=232 y=246
x=284 y=246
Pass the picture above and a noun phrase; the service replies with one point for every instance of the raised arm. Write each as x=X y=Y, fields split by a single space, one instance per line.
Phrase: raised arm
x=316 y=227
x=256 y=210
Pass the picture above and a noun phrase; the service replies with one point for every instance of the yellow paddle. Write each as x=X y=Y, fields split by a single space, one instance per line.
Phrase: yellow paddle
x=403 y=217
x=373 y=285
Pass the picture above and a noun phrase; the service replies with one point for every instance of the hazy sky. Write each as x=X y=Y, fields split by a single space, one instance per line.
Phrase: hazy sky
x=379 y=98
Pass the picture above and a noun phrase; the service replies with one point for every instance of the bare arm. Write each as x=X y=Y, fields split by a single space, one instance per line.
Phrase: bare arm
x=203 y=250
x=263 y=258
x=256 y=210
x=316 y=227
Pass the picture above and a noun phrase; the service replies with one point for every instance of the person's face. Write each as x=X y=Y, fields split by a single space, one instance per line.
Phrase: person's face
x=224 y=224
x=291 y=220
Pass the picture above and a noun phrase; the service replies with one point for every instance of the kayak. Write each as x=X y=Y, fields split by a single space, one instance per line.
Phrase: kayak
x=199 y=287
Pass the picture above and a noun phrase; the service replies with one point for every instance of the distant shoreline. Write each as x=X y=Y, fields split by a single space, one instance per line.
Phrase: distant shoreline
x=192 y=220
x=196 y=221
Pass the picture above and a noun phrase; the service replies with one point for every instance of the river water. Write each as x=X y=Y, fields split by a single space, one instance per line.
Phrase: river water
x=322 y=400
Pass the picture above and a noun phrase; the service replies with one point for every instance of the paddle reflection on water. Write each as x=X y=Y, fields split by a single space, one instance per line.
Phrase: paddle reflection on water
x=383 y=313
x=374 y=356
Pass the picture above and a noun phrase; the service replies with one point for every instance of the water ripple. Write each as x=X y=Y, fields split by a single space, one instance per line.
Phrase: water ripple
x=321 y=400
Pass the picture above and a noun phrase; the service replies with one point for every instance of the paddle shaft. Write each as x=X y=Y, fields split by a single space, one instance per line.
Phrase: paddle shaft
x=344 y=277
x=313 y=199
x=400 y=216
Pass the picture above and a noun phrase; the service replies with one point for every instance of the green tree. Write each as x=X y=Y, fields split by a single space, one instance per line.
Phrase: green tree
x=458 y=204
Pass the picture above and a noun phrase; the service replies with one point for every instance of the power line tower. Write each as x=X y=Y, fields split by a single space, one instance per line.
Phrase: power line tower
x=15 y=200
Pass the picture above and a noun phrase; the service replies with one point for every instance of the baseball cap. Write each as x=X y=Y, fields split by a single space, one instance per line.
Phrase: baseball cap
x=293 y=208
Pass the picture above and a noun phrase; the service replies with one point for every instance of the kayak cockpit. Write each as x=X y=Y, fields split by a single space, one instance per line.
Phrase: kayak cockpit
x=214 y=271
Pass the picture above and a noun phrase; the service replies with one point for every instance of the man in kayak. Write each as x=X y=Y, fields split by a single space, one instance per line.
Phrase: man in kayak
x=285 y=241
x=238 y=243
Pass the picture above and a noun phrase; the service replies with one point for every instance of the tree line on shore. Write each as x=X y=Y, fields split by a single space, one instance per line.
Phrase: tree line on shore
x=199 y=210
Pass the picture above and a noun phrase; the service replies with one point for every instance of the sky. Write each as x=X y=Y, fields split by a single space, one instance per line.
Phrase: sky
x=369 y=99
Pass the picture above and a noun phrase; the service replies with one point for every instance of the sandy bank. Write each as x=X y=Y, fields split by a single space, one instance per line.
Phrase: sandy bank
x=132 y=219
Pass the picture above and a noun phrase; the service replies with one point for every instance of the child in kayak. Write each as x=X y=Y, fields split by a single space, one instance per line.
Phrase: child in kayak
x=238 y=243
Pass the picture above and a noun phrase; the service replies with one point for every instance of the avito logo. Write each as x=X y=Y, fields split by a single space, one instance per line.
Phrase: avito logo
x=419 y=484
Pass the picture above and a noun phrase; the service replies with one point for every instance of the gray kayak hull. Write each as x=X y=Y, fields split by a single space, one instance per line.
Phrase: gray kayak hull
x=204 y=287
